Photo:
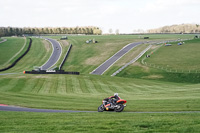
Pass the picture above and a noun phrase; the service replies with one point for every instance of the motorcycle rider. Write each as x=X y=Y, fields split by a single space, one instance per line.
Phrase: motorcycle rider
x=112 y=99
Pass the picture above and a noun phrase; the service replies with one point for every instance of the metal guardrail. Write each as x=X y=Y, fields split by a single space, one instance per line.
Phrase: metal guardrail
x=132 y=61
x=61 y=65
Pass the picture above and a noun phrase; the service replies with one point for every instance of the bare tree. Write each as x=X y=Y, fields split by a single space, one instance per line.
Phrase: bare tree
x=117 y=32
x=110 y=31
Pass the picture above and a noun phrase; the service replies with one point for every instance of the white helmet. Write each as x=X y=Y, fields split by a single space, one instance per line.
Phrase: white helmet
x=115 y=94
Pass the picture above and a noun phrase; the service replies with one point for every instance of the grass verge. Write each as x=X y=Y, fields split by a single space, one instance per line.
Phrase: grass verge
x=98 y=122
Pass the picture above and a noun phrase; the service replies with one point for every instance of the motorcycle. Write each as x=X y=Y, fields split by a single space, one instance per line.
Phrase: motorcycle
x=111 y=105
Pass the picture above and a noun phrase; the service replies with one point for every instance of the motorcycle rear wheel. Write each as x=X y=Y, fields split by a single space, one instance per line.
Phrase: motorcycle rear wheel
x=120 y=108
x=101 y=108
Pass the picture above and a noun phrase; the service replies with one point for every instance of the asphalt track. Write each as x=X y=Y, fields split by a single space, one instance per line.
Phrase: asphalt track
x=22 y=109
x=108 y=63
x=57 y=50
x=3 y=40
x=9 y=73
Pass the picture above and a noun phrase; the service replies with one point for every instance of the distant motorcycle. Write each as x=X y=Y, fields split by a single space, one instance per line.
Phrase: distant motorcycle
x=111 y=105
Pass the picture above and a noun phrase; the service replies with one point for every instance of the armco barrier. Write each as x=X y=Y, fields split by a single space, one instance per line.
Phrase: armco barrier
x=61 y=65
x=50 y=72
x=15 y=62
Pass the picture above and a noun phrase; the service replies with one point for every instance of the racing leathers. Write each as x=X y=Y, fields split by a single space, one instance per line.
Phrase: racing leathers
x=112 y=100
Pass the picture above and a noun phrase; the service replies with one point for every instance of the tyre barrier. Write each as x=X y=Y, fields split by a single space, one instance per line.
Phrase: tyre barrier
x=50 y=72
x=15 y=62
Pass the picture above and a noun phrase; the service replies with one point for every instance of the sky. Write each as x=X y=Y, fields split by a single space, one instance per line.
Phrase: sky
x=124 y=15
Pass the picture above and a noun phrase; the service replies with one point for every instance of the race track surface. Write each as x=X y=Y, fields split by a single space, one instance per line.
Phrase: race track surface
x=57 y=50
x=107 y=64
x=3 y=40
x=22 y=109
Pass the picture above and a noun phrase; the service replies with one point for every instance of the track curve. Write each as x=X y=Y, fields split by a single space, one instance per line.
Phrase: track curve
x=55 y=56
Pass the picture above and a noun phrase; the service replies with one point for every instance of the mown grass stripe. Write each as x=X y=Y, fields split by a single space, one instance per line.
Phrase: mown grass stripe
x=39 y=85
x=30 y=83
x=69 y=88
x=11 y=85
x=130 y=87
x=98 y=86
x=5 y=83
x=127 y=88
x=45 y=88
x=83 y=85
x=19 y=85
x=76 y=85
x=104 y=86
x=54 y=85
x=90 y=85
x=114 y=87
x=61 y=89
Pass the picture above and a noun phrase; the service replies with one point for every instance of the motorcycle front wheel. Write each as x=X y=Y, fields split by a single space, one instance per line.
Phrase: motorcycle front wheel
x=119 y=108
x=101 y=108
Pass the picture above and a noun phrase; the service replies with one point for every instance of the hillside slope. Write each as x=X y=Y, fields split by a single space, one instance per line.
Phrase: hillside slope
x=11 y=49
x=176 y=63
x=37 y=56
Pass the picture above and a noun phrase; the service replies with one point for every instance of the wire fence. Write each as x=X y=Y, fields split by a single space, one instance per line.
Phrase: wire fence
x=165 y=68
x=132 y=61
x=173 y=70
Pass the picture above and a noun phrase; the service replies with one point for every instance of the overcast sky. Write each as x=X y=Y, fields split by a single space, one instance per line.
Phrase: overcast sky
x=125 y=15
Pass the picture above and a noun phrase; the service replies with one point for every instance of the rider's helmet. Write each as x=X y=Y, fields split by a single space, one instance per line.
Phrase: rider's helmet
x=115 y=94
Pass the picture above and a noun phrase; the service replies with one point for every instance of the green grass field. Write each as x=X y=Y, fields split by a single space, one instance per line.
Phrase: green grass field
x=37 y=56
x=146 y=89
x=86 y=92
x=24 y=122
x=168 y=63
x=9 y=49
x=86 y=57
x=178 y=57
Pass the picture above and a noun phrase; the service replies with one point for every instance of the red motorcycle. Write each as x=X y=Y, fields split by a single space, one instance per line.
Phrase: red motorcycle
x=112 y=105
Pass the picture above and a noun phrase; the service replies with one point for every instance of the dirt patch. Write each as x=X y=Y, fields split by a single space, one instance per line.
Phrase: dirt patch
x=47 y=45
x=154 y=47
x=20 y=77
x=146 y=69
x=108 y=44
x=33 y=76
x=41 y=76
x=64 y=43
x=153 y=77
x=95 y=60
x=101 y=57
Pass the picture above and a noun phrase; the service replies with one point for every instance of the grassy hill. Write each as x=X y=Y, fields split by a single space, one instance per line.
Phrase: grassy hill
x=183 y=58
x=56 y=88
x=9 y=49
x=169 y=63
x=39 y=53
x=86 y=57
x=85 y=91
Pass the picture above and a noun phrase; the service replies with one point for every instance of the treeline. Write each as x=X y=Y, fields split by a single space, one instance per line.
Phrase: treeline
x=182 y=28
x=10 y=31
